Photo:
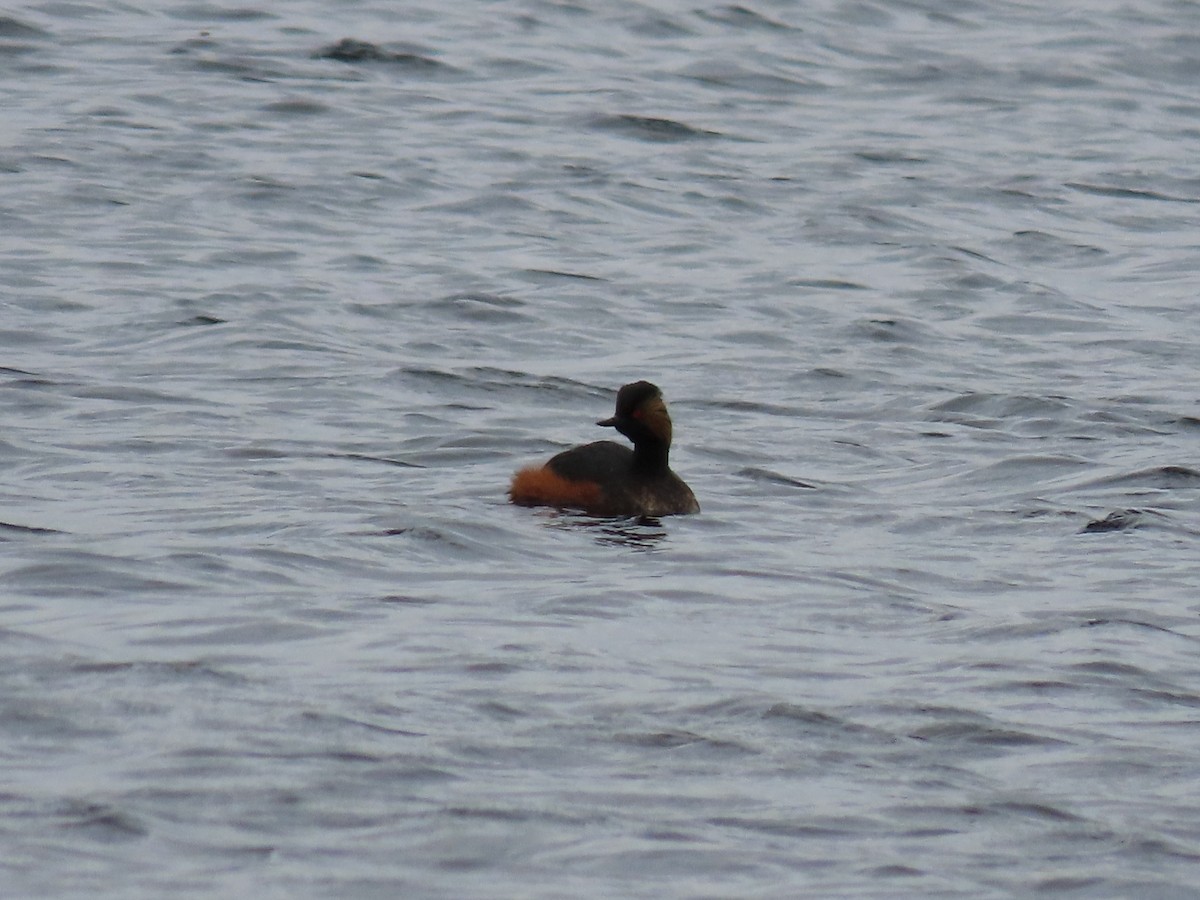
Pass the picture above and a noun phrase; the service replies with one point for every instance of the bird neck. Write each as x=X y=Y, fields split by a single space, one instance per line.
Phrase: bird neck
x=650 y=456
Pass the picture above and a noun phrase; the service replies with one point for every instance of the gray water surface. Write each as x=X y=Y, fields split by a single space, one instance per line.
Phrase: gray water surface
x=289 y=291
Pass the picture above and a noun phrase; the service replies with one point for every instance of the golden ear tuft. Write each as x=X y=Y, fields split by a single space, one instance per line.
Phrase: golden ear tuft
x=653 y=413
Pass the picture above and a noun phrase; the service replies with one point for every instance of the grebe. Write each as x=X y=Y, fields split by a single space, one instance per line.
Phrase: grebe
x=605 y=478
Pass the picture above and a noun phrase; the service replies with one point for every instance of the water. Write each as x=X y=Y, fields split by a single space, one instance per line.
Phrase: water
x=282 y=314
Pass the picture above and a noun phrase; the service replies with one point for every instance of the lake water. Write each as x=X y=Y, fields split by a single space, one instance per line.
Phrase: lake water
x=290 y=290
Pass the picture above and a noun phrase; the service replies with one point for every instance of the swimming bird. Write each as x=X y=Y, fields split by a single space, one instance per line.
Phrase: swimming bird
x=605 y=478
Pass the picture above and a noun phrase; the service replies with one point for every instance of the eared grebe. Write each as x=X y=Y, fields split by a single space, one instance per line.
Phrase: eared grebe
x=608 y=479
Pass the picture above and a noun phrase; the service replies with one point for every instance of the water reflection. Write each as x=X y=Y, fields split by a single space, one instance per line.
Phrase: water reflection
x=637 y=532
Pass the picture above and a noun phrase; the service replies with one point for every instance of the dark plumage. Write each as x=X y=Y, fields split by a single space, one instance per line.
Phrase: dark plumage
x=609 y=479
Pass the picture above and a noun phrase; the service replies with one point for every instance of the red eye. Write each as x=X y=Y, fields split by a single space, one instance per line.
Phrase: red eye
x=637 y=414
